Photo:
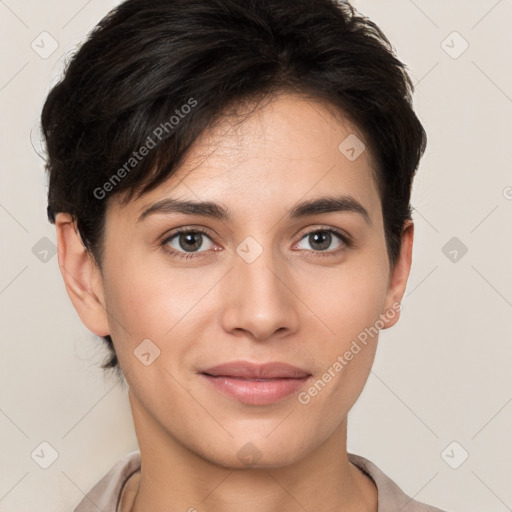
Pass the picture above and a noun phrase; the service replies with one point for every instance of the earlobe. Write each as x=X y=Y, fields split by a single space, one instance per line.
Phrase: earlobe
x=398 y=278
x=81 y=275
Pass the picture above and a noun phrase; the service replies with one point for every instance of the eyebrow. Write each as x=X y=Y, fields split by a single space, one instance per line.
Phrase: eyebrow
x=318 y=206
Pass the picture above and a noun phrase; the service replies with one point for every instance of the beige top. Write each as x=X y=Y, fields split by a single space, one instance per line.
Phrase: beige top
x=106 y=494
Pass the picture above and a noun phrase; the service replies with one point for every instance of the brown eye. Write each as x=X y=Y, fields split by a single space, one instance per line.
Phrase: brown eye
x=190 y=241
x=328 y=241
x=187 y=242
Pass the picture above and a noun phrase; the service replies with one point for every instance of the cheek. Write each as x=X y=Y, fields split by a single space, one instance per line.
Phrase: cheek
x=350 y=308
x=349 y=351
x=351 y=299
x=350 y=304
x=154 y=302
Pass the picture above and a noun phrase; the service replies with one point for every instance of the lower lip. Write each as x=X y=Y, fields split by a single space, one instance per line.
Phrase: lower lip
x=256 y=392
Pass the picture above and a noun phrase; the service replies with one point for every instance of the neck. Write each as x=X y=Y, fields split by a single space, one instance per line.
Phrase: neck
x=174 y=478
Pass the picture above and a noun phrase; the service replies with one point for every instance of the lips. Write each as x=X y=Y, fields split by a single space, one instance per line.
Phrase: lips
x=255 y=384
x=251 y=371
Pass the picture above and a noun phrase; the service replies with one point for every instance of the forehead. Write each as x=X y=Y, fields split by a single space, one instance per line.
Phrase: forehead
x=289 y=149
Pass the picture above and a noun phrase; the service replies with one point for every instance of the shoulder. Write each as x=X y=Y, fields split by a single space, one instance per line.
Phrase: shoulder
x=106 y=493
x=390 y=496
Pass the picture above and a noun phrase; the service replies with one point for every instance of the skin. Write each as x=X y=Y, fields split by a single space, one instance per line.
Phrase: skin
x=293 y=304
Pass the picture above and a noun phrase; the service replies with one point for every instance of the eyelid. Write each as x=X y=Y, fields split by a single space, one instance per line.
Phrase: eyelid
x=179 y=255
x=346 y=237
x=185 y=229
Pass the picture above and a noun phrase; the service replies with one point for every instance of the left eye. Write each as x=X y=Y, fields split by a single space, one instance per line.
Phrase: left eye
x=321 y=239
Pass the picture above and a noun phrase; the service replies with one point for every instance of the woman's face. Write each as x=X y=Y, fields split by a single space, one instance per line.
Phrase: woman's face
x=259 y=285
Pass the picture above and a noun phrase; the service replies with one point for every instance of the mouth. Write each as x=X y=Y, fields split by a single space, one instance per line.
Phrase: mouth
x=256 y=391
x=248 y=370
x=249 y=379
x=255 y=384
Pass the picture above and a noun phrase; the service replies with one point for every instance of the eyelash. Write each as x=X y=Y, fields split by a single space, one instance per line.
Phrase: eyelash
x=180 y=255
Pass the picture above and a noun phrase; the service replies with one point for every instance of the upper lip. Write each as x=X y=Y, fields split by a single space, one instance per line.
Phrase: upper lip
x=247 y=370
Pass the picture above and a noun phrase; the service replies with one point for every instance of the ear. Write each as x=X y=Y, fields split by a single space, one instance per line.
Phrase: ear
x=82 y=277
x=398 y=278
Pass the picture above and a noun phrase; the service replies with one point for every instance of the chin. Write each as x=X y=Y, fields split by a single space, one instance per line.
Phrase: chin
x=255 y=454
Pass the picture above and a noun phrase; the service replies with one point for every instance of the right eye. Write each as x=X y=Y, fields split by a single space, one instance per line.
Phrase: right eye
x=184 y=243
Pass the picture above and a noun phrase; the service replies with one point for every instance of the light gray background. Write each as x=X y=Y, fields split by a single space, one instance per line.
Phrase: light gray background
x=442 y=374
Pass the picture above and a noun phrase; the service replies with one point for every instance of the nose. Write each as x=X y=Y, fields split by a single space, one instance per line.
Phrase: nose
x=259 y=297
